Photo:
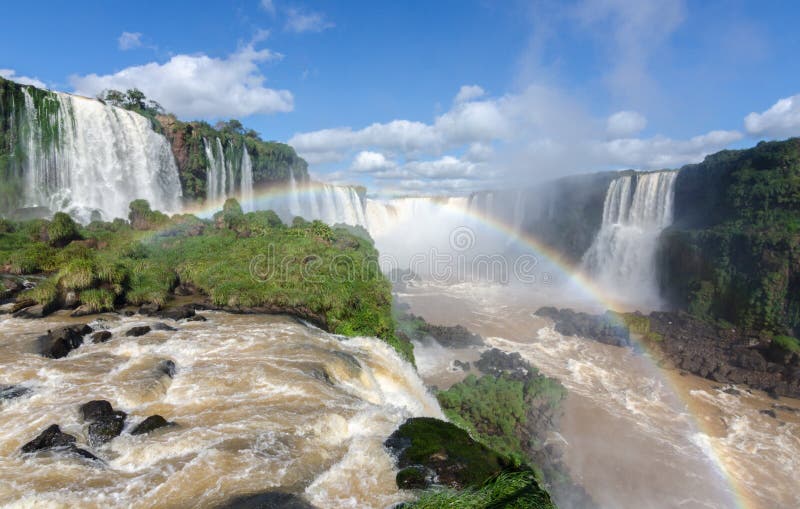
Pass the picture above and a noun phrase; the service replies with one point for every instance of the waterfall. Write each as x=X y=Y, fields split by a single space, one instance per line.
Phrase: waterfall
x=622 y=257
x=247 y=181
x=328 y=203
x=212 y=174
x=81 y=156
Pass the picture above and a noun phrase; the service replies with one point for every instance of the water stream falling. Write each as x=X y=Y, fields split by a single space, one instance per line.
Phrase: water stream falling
x=81 y=155
x=247 y=181
x=636 y=209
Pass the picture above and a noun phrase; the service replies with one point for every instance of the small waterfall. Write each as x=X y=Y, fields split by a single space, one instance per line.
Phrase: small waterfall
x=212 y=174
x=621 y=259
x=328 y=203
x=247 y=181
x=81 y=155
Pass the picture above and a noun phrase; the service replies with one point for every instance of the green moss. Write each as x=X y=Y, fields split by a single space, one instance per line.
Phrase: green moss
x=509 y=490
x=97 y=300
x=77 y=274
x=62 y=229
x=45 y=293
x=788 y=343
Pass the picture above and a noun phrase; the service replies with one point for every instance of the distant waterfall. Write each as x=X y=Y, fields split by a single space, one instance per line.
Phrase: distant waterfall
x=226 y=166
x=636 y=209
x=328 y=203
x=247 y=181
x=81 y=156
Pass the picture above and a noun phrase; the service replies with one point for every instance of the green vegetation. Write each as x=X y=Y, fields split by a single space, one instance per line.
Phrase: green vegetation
x=509 y=490
x=241 y=261
x=733 y=253
x=638 y=324
x=788 y=343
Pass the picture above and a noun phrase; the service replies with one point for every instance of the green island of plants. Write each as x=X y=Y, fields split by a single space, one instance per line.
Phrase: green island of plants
x=236 y=261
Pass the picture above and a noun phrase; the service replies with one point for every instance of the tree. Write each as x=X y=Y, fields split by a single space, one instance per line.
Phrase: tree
x=136 y=99
x=113 y=97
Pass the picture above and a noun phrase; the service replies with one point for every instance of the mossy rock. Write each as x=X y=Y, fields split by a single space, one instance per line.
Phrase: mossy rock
x=457 y=460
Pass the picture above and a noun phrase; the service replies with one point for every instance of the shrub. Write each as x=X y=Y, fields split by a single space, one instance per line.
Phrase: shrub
x=97 y=300
x=510 y=490
x=787 y=343
x=232 y=215
x=77 y=274
x=62 y=230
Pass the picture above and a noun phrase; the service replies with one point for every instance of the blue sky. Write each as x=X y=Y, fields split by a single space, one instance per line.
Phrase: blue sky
x=371 y=92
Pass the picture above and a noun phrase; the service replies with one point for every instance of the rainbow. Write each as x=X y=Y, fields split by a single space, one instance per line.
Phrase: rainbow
x=575 y=275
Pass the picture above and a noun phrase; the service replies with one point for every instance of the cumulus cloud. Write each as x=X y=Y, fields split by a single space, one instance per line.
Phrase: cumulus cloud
x=781 y=120
x=11 y=74
x=468 y=93
x=367 y=161
x=624 y=124
x=300 y=21
x=538 y=133
x=129 y=40
x=199 y=85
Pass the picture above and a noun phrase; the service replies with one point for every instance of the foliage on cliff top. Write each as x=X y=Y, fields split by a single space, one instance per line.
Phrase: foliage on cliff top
x=734 y=250
x=239 y=261
x=509 y=490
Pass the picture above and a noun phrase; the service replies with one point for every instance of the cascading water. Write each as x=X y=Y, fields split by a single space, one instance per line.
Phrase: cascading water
x=247 y=181
x=83 y=156
x=314 y=200
x=621 y=259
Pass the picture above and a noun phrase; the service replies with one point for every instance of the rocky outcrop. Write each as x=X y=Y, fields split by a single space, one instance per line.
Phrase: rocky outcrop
x=105 y=423
x=726 y=354
x=605 y=328
x=412 y=327
x=135 y=332
x=60 y=342
x=54 y=438
x=444 y=450
x=150 y=424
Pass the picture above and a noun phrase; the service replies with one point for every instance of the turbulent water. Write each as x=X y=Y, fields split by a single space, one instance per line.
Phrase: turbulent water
x=261 y=403
x=622 y=258
x=81 y=155
x=635 y=436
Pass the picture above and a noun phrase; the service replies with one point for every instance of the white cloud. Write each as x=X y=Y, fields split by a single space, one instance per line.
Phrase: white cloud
x=781 y=120
x=468 y=93
x=269 y=6
x=367 y=161
x=539 y=133
x=194 y=86
x=301 y=21
x=624 y=124
x=11 y=74
x=129 y=40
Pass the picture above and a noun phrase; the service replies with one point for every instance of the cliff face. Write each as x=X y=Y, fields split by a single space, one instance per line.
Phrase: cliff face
x=272 y=161
x=733 y=251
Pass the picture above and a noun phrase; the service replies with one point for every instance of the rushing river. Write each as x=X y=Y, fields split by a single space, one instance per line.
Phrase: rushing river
x=636 y=436
x=261 y=403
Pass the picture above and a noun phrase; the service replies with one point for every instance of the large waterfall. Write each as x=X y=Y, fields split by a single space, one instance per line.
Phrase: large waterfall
x=622 y=258
x=83 y=156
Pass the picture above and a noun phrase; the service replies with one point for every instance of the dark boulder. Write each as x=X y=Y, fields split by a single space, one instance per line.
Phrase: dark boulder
x=604 y=328
x=769 y=413
x=496 y=362
x=167 y=367
x=184 y=290
x=60 y=342
x=176 y=313
x=48 y=439
x=135 y=332
x=415 y=477
x=152 y=423
x=269 y=500
x=32 y=312
x=101 y=336
x=105 y=422
x=162 y=326
x=446 y=450
x=197 y=318
x=149 y=309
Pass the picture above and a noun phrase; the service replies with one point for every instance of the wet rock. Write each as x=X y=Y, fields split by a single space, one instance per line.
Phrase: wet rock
x=769 y=413
x=415 y=477
x=10 y=287
x=603 y=328
x=13 y=391
x=105 y=422
x=21 y=304
x=176 y=313
x=152 y=423
x=60 y=342
x=732 y=391
x=446 y=450
x=48 y=439
x=101 y=336
x=496 y=362
x=785 y=408
x=463 y=366
x=83 y=310
x=197 y=318
x=70 y=299
x=128 y=312
x=135 y=332
x=184 y=290
x=269 y=500
x=415 y=328
x=32 y=312
x=167 y=367
x=162 y=326
x=149 y=309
